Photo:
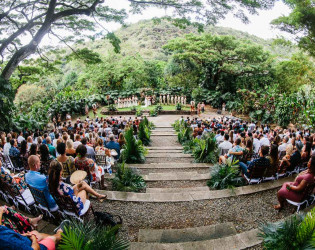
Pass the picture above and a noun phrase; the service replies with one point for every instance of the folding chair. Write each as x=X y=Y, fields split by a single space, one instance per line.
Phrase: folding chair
x=17 y=163
x=69 y=208
x=41 y=202
x=307 y=194
x=270 y=173
x=223 y=151
x=11 y=192
x=256 y=174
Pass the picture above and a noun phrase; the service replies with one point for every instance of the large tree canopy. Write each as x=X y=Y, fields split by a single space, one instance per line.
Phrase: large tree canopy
x=24 y=23
x=220 y=55
x=300 y=22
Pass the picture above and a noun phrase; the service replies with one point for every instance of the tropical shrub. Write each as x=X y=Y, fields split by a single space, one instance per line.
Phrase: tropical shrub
x=185 y=134
x=133 y=150
x=225 y=176
x=133 y=108
x=158 y=108
x=88 y=236
x=153 y=113
x=128 y=180
x=206 y=149
x=178 y=106
x=111 y=108
x=27 y=94
x=139 y=112
x=296 y=232
x=144 y=133
x=150 y=125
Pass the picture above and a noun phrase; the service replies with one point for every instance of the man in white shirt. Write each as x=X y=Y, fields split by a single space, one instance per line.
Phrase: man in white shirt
x=284 y=144
x=90 y=150
x=77 y=141
x=251 y=127
x=264 y=141
x=20 y=138
x=7 y=145
x=256 y=143
x=225 y=145
x=220 y=138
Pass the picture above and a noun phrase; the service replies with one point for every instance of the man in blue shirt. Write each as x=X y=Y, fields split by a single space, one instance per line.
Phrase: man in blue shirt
x=39 y=181
x=113 y=145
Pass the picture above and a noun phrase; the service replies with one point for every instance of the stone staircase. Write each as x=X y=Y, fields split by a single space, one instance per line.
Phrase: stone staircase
x=219 y=236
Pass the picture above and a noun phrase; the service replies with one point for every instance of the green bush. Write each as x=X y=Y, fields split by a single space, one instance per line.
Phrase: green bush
x=158 y=108
x=296 y=232
x=225 y=176
x=111 y=108
x=144 y=133
x=127 y=180
x=133 y=150
x=150 y=125
x=205 y=149
x=178 y=106
x=88 y=236
x=139 y=112
x=153 y=113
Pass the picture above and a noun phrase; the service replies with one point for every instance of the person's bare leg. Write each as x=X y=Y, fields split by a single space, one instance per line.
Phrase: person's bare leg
x=82 y=194
x=281 y=202
x=90 y=190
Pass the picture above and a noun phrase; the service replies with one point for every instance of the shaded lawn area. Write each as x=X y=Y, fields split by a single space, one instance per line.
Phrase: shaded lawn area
x=149 y=108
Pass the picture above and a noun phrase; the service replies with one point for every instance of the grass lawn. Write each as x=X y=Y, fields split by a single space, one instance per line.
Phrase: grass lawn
x=165 y=107
x=91 y=115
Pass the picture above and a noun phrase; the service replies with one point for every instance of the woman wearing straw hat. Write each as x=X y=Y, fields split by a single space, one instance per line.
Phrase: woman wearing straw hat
x=78 y=192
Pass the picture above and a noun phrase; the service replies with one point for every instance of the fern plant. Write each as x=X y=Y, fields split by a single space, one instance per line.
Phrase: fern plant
x=206 y=149
x=133 y=150
x=225 y=176
x=144 y=133
x=111 y=107
x=88 y=236
x=149 y=124
x=296 y=232
x=128 y=180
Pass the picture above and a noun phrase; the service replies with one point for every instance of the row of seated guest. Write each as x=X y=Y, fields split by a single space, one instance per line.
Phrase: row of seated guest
x=41 y=182
x=19 y=232
x=296 y=191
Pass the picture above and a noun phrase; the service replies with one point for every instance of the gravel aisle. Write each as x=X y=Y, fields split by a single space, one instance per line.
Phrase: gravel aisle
x=246 y=212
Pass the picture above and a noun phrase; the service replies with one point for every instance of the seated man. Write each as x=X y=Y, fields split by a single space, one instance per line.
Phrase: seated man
x=261 y=161
x=113 y=145
x=225 y=145
x=39 y=181
x=236 y=151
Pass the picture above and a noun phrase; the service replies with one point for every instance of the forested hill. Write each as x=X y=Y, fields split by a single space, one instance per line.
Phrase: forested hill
x=147 y=39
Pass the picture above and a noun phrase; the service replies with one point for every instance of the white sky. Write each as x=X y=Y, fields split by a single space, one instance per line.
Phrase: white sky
x=259 y=24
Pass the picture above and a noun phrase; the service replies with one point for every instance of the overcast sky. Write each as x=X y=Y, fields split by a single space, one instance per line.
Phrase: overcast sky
x=259 y=24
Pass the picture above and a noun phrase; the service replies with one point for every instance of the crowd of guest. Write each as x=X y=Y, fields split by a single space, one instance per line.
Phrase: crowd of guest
x=49 y=158
x=276 y=150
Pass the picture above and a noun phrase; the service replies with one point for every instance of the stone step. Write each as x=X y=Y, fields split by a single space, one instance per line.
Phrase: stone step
x=161 y=126
x=163 y=134
x=193 y=196
x=165 y=148
x=182 y=176
x=238 y=241
x=177 y=190
x=169 y=165
x=186 y=234
x=166 y=151
x=167 y=160
x=168 y=155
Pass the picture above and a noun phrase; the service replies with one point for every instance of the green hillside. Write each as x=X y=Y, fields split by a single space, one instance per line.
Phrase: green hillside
x=147 y=39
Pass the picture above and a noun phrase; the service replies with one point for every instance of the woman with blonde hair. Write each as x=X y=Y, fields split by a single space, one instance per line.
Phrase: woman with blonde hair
x=70 y=150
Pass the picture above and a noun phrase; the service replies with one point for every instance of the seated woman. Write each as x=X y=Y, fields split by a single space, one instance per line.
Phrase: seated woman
x=13 y=180
x=70 y=151
x=306 y=153
x=294 y=191
x=67 y=162
x=17 y=221
x=78 y=193
x=81 y=162
x=274 y=156
x=45 y=159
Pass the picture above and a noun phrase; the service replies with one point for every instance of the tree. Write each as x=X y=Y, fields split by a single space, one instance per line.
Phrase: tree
x=39 y=18
x=220 y=56
x=300 y=22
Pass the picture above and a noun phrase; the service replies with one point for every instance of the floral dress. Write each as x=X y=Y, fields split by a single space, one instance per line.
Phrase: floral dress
x=18 y=182
x=16 y=221
x=85 y=164
x=66 y=189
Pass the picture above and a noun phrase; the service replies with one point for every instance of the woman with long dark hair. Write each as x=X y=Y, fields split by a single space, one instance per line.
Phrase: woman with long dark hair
x=78 y=193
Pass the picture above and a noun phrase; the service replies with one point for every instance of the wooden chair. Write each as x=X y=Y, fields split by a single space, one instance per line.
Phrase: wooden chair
x=69 y=208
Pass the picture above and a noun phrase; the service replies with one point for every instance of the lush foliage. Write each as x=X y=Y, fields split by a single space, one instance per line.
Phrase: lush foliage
x=127 y=179
x=144 y=133
x=133 y=150
x=225 y=176
x=296 y=232
x=206 y=149
x=91 y=237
